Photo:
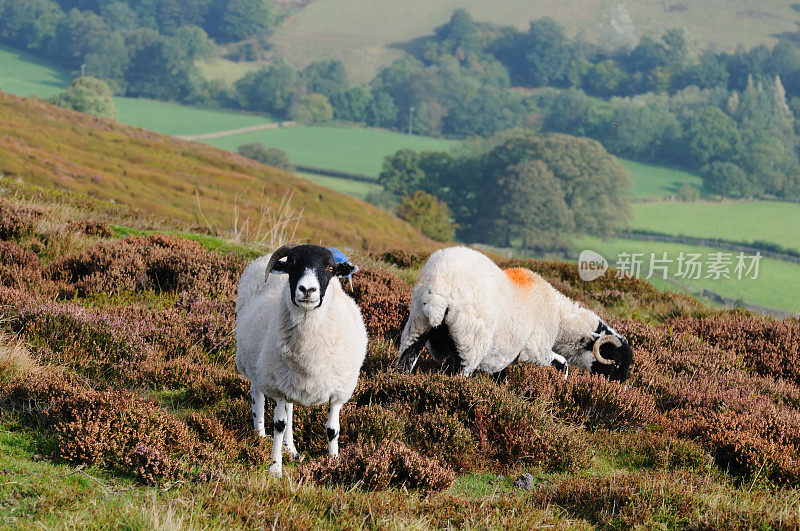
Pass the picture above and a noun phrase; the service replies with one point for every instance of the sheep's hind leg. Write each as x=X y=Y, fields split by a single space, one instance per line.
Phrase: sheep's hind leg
x=288 y=437
x=332 y=429
x=278 y=431
x=257 y=406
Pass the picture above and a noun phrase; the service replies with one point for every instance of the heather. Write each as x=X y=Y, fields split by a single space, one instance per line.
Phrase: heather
x=117 y=366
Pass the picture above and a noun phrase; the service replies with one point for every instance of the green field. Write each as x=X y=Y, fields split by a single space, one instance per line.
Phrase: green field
x=367 y=35
x=25 y=75
x=650 y=180
x=770 y=221
x=175 y=119
x=777 y=285
x=340 y=148
x=225 y=70
x=357 y=189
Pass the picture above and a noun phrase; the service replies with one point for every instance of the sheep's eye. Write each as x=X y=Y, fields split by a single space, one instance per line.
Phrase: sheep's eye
x=330 y=270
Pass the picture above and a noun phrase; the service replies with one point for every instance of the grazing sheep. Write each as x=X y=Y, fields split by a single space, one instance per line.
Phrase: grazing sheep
x=299 y=339
x=473 y=315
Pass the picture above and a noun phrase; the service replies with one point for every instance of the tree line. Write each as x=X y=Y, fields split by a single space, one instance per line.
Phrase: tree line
x=141 y=48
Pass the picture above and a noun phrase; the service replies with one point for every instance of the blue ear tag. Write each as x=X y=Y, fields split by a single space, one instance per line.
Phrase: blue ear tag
x=340 y=257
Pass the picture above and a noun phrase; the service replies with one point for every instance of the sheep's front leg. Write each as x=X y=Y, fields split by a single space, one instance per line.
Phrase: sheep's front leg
x=278 y=430
x=288 y=437
x=332 y=429
x=257 y=405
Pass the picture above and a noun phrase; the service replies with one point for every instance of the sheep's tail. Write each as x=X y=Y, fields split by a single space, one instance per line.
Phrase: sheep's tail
x=427 y=312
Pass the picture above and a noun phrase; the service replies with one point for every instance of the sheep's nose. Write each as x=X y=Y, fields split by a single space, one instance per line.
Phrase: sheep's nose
x=306 y=291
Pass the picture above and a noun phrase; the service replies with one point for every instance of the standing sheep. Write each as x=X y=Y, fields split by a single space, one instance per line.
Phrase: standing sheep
x=473 y=315
x=299 y=339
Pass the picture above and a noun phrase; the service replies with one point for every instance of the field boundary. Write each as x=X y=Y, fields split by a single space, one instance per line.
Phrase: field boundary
x=707 y=242
x=718 y=298
x=336 y=173
x=239 y=131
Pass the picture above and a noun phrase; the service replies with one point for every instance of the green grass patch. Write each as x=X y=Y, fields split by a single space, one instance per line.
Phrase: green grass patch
x=176 y=119
x=777 y=285
x=749 y=221
x=650 y=180
x=225 y=70
x=212 y=243
x=357 y=189
x=354 y=150
x=25 y=75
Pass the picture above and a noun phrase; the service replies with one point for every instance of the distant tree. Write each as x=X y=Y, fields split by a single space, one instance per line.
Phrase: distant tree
x=382 y=111
x=429 y=215
x=158 y=68
x=119 y=16
x=688 y=193
x=310 y=109
x=269 y=90
x=274 y=157
x=87 y=95
x=352 y=105
x=647 y=55
x=595 y=185
x=538 y=57
x=192 y=42
x=726 y=179
x=526 y=208
x=236 y=20
x=647 y=127
x=605 y=78
x=712 y=136
x=710 y=72
x=326 y=77
x=401 y=173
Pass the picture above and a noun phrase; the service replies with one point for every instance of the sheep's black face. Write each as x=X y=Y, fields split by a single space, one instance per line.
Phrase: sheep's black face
x=622 y=356
x=310 y=269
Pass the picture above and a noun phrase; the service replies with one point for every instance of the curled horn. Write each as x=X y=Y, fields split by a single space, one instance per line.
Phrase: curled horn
x=277 y=255
x=602 y=341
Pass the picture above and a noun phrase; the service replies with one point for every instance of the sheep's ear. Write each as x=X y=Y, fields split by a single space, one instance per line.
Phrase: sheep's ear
x=344 y=269
x=280 y=267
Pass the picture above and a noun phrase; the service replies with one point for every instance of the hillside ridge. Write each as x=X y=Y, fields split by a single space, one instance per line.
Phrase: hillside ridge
x=49 y=146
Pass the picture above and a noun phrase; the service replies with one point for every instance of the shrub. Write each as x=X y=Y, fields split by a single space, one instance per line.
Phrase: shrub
x=380 y=465
x=90 y=227
x=158 y=262
x=384 y=300
x=506 y=427
x=770 y=346
x=592 y=400
x=16 y=221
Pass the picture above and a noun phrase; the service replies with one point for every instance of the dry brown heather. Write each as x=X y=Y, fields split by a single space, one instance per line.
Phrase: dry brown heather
x=50 y=146
x=134 y=343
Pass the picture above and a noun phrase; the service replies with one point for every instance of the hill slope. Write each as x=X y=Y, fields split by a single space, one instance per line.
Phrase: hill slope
x=50 y=146
x=367 y=35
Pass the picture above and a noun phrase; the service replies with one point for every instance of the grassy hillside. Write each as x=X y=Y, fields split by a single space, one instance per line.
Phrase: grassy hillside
x=120 y=404
x=349 y=149
x=367 y=35
x=748 y=221
x=46 y=145
x=777 y=285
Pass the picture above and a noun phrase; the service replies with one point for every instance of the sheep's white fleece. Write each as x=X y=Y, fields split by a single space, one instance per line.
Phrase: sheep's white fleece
x=493 y=320
x=303 y=357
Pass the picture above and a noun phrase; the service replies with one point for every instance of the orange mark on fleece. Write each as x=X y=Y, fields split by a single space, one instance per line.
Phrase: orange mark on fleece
x=521 y=278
